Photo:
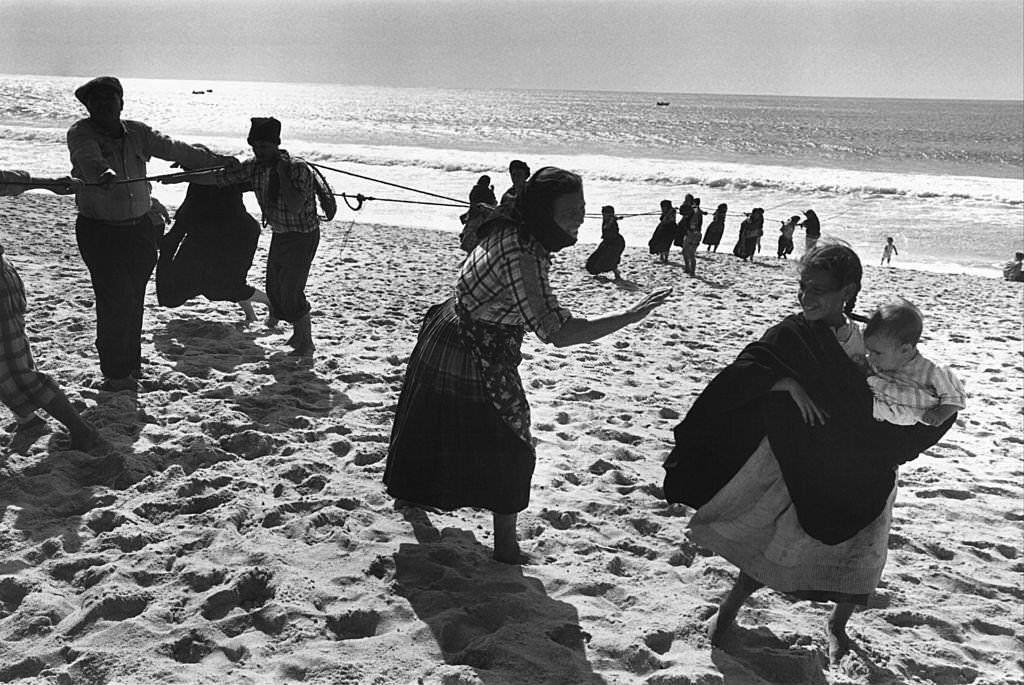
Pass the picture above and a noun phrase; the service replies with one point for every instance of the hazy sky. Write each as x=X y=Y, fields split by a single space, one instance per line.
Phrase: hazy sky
x=881 y=48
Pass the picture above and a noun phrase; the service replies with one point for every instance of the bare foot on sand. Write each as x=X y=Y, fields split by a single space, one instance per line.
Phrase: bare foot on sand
x=839 y=643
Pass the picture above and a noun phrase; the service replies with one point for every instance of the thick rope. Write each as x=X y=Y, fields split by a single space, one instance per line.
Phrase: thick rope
x=461 y=203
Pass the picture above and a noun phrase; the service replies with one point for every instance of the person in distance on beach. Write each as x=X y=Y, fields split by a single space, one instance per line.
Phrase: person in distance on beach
x=518 y=171
x=23 y=389
x=713 y=236
x=691 y=237
x=461 y=436
x=609 y=251
x=286 y=191
x=116 y=237
x=792 y=477
x=685 y=218
x=751 y=231
x=786 y=237
x=908 y=388
x=812 y=229
x=481 y=202
x=888 y=251
x=1014 y=270
x=661 y=241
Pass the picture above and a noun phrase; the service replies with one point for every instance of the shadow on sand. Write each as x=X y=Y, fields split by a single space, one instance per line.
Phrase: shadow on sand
x=488 y=615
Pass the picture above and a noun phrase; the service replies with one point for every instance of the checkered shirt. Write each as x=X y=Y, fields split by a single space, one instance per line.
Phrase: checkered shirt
x=505 y=281
x=258 y=174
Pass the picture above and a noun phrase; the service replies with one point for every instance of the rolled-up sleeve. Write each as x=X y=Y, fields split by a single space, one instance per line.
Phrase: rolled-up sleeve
x=949 y=388
x=87 y=160
x=11 y=182
x=536 y=302
x=158 y=145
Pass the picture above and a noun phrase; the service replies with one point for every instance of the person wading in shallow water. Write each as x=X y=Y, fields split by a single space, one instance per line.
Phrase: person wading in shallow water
x=461 y=436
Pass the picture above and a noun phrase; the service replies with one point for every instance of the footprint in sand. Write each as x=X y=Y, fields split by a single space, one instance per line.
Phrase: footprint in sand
x=945 y=492
x=578 y=394
x=353 y=625
x=113 y=604
x=250 y=589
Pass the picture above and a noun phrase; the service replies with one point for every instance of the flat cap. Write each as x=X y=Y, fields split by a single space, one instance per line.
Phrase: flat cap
x=109 y=82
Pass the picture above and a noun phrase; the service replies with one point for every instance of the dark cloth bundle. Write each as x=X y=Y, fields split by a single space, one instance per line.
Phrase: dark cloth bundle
x=839 y=474
x=209 y=249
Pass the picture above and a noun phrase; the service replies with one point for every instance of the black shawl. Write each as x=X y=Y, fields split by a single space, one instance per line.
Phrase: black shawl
x=839 y=474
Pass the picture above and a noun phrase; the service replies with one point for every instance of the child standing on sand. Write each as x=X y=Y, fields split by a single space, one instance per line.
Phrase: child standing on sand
x=908 y=388
x=888 y=251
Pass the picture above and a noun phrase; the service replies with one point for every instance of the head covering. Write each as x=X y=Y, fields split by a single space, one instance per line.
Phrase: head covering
x=264 y=128
x=484 y=180
x=608 y=209
x=518 y=164
x=536 y=205
x=99 y=83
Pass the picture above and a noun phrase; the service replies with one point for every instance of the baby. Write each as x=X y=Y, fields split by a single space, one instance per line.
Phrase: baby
x=908 y=388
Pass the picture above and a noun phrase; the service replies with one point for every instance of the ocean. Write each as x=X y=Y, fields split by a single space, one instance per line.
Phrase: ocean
x=945 y=178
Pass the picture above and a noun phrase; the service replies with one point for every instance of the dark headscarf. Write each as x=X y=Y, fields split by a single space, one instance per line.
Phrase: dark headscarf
x=532 y=209
x=537 y=203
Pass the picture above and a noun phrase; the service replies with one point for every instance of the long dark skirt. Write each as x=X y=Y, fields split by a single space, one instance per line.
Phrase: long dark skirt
x=209 y=250
x=607 y=255
x=454 y=443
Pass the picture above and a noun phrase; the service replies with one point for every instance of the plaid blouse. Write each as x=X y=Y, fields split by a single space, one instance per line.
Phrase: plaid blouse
x=258 y=175
x=505 y=281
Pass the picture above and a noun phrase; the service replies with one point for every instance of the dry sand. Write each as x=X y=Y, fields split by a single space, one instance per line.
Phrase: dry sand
x=250 y=539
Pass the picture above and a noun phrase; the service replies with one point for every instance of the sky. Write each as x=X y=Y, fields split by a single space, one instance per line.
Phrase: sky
x=971 y=49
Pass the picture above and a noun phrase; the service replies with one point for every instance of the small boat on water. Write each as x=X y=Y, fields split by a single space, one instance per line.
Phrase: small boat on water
x=662 y=103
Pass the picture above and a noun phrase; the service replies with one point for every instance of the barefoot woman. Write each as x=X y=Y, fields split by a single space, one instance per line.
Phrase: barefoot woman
x=461 y=436
x=792 y=478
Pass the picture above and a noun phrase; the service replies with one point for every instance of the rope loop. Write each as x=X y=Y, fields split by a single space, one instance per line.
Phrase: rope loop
x=360 y=199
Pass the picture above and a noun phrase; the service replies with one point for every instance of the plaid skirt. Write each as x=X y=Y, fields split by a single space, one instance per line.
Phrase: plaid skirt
x=461 y=436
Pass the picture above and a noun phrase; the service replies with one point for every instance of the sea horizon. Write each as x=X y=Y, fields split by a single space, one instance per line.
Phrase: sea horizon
x=528 y=90
x=947 y=182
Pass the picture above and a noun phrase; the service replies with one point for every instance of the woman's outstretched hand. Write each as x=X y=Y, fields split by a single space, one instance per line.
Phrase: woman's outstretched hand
x=810 y=411
x=644 y=306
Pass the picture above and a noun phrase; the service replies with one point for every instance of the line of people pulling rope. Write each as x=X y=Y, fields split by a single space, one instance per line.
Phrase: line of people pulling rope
x=788 y=456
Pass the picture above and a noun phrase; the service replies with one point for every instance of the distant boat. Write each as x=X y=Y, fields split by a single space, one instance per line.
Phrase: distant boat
x=662 y=103
x=199 y=92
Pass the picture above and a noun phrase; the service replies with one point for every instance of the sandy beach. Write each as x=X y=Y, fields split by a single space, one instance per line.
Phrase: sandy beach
x=248 y=538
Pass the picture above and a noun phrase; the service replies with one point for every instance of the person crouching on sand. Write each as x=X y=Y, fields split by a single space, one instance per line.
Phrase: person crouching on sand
x=609 y=252
x=22 y=388
x=461 y=436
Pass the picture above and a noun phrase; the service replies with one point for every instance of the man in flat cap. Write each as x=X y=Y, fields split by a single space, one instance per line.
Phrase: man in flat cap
x=116 y=237
x=286 y=191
